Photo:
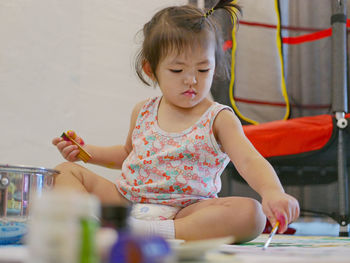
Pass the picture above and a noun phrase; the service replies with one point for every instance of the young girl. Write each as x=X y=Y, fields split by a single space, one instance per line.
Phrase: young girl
x=179 y=143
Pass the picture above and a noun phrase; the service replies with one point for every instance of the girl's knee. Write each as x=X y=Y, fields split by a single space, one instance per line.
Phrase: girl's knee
x=256 y=215
x=251 y=221
x=66 y=166
x=254 y=208
x=68 y=169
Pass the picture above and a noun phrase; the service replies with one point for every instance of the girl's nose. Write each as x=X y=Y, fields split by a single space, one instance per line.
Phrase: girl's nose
x=190 y=79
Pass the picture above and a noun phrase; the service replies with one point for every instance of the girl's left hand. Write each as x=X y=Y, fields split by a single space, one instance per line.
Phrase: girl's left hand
x=282 y=207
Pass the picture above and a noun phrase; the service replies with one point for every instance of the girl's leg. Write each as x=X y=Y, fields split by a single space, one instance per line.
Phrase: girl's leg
x=79 y=178
x=238 y=216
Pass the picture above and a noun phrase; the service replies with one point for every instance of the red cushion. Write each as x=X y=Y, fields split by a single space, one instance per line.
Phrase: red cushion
x=292 y=136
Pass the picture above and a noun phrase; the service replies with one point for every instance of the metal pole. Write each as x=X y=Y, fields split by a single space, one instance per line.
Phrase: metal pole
x=340 y=105
x=339 y=57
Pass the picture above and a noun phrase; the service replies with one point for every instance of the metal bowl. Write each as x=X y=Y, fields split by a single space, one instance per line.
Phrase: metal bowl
x=18 y=186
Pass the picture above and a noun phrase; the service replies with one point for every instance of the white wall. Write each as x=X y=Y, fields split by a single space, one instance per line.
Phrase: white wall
x=68 y=64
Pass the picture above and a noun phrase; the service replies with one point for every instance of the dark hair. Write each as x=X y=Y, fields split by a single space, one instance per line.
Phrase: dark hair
x=178 y=27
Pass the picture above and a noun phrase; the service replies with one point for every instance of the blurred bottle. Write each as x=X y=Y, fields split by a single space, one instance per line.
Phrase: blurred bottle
x=62 y=228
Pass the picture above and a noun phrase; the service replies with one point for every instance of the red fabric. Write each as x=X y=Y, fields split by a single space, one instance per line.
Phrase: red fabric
x=308 y=37
x=268 y=229
x=292 y=136
x=319 y=34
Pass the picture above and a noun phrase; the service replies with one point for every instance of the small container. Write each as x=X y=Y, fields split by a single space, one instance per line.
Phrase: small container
x=140 y=249
x=19 y=185
x=63 y=227
x=131 y=247
x=116 y=217
x=113 y=219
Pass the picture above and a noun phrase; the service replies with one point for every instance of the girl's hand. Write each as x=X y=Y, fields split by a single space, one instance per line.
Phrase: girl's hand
x=282 y=207
x=68 y=150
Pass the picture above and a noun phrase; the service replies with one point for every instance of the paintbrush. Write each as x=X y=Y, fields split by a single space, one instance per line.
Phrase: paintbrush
x=273 y=232
x=83 y=155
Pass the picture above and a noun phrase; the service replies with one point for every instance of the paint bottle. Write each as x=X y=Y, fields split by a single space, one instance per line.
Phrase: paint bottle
x=63 y=227
x=131 y=247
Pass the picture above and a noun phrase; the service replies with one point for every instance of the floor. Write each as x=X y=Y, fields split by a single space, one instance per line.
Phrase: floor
x=315 y=241
x=288 y=249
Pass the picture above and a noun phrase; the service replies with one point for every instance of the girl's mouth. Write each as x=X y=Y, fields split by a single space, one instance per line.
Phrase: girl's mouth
x=189 y=93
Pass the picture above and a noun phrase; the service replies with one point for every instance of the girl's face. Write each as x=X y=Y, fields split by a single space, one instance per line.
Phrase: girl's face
x=185 y=79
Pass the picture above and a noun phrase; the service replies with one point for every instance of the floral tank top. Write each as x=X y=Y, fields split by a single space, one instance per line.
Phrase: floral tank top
x=175 y=169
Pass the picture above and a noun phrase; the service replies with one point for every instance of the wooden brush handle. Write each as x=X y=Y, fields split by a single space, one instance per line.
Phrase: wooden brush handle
x=83 y=155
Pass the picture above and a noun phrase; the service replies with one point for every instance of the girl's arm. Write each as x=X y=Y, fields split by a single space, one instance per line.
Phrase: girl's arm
x=255 y=169
x=114 y=156
x=109 y=156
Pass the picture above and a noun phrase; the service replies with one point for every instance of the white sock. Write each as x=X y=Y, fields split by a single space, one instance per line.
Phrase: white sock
x=163 y=228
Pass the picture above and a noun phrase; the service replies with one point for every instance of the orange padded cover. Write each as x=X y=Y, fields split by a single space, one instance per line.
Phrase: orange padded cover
x=292 y=136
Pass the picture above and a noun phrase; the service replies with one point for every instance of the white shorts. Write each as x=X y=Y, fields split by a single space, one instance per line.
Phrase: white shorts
x=154 y=211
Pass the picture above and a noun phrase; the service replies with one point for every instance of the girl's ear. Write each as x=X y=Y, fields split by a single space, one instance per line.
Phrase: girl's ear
x=148 y=70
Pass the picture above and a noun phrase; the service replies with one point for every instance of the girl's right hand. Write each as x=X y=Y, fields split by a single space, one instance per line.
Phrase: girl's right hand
x=68 y=150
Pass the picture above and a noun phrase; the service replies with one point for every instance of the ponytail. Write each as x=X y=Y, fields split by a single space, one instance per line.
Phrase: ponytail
x=229 y=5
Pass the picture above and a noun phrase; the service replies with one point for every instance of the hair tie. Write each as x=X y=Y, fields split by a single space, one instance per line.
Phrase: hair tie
x=209 y=12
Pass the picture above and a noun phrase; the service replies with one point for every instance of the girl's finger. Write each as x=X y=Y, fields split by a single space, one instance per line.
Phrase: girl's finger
x=56 y=140
x=72 y=134
x=62 y=145
x=296 y=211
x=80 y=141
x=72 y=156
x=289 y=214
x=297 y=208
x=269 y=214
x=282 y=219
x=67 y=150
x=292 y=210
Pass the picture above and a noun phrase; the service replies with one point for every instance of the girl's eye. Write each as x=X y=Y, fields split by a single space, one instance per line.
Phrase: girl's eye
x=203 y=70
x=176 y=70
